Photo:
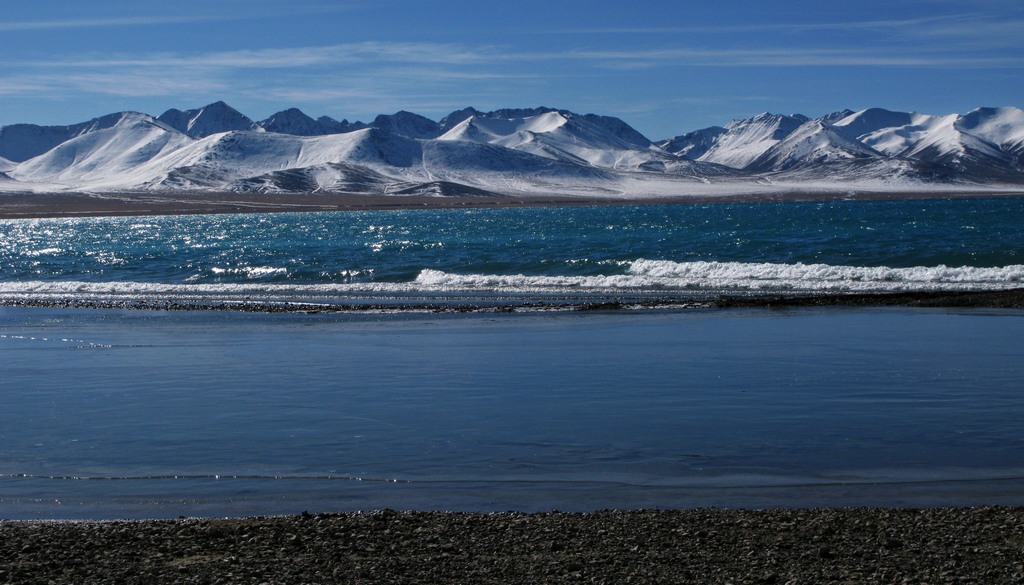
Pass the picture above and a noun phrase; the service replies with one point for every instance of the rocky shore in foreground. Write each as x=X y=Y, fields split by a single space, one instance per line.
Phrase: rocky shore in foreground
x=943 y=545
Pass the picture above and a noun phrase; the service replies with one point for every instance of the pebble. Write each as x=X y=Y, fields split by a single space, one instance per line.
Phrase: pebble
x=611 y=546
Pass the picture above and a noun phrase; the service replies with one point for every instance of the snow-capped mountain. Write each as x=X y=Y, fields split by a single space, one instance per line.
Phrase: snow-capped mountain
x=983 y=143
x=20 y=142
x=1003 y=127
x=294 y=121
x=693 y=145
x=112 y=156
x=597 y=141
x=745 y=140
x=814 y=143
x=407 y=124
x=512 y=152
x=212 y=119
x=867 y=122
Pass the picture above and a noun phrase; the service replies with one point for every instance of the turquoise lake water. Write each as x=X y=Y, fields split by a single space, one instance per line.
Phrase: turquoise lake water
x=817 y=246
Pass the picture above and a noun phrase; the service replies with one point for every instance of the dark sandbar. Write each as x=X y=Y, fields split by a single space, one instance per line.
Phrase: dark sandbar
x=945 y=545
x=998 y=299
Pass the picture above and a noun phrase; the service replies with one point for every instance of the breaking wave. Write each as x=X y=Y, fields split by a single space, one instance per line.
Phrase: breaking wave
x=744 y=276
x=633 y=276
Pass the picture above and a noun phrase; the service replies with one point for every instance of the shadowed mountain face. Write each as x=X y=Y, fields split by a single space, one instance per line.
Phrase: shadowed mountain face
x=212 y=119
x=510 y=151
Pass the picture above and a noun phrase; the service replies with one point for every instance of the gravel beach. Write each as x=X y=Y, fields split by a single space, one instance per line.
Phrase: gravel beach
x=944 y=545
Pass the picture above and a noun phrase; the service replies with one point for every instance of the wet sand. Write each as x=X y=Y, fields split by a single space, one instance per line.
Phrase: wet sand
x=944 y=545
x=40 y=205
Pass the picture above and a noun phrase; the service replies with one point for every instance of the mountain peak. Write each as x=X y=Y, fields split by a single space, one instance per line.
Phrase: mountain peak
x=293 y=121
x=815 y=142
x=407 y=124
x=210 y=119
x=1002 y=126
x=864 y=122
x=455 y=118
x=745 y=140
x=20 y=142
x=692 y=145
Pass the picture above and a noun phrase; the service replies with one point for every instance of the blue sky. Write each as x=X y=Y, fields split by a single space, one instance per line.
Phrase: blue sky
x=666 y=67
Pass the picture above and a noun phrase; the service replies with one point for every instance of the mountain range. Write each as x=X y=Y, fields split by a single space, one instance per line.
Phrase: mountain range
x=513 y=152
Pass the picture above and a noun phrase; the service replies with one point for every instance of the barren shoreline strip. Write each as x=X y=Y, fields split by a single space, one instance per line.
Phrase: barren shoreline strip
x=998 y=299
x=48 y=205
x=866 y=545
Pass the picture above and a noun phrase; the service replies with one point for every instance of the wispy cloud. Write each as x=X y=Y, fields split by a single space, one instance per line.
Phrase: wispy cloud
x=851 y=25
x=101 y=22
x=382 y=76
x=974 y=31
x=367 y=52
x=352 y=77
x=786 y=57
x=256 y=11
x=456 y=61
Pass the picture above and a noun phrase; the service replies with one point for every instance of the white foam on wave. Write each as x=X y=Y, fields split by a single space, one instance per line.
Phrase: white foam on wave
x=638 y=276
x=130 y=288
x=251 y=271
x=696 y=276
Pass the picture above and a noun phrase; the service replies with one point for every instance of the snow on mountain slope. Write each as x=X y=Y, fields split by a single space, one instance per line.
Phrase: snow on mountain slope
x=745 y=140
x=6 y=165
x=455 y=159
x=946 y=145
x=20 y=142
x=876 y=174
x=864 y=122
x=692 y=145
x=202 y=122
x=224 y=159
x=380 y=162
x=586 y=140
x=1001 y=126
x=834 y=117
x=111 y=156
x=986 y=140
x=894 y=140
x=330 y=177
x=996 y=125
x=813 y=143
x=453 y=119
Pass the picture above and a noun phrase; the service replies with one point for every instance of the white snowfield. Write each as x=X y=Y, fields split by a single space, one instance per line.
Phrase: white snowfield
x=539 y=151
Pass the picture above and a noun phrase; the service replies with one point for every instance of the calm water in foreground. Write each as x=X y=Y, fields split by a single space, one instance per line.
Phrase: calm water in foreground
x=111 y=414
